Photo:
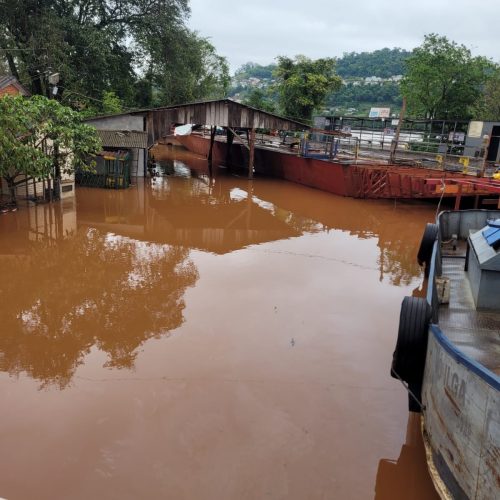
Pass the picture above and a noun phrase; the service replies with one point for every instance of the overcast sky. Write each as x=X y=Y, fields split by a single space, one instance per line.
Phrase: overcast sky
x=259 y=30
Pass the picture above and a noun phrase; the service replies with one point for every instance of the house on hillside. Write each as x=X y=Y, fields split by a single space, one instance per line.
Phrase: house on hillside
x=9 y=85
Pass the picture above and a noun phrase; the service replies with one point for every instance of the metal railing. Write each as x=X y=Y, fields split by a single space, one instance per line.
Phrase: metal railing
x=418 y=151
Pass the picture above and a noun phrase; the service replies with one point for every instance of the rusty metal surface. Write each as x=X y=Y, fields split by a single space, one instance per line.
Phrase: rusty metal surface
x=389 y=181
x=476 y=333
x=123 y=139
x=462 y=424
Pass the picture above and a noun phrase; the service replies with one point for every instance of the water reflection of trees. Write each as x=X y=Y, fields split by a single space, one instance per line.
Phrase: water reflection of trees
x=94 y=289
x=397 y=227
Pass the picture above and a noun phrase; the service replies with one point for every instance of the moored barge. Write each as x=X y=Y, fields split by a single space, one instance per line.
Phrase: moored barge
x=448 y=353
x=354 y=178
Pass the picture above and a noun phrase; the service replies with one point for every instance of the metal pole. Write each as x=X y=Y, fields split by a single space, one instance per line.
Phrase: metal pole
x=486 y=151
x=395 y=141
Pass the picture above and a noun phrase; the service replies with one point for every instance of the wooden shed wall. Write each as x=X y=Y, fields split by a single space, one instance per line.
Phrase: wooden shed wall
x=214 y=113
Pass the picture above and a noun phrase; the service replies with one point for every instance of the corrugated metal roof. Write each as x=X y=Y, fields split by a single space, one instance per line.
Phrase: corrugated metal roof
x=123 y=138
x=296 y=125
x=7 y=80
x=221 y=113
x=302 y=126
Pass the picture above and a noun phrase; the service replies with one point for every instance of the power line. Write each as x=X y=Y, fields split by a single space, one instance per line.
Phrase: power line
x=68 y=92
x=23 y=50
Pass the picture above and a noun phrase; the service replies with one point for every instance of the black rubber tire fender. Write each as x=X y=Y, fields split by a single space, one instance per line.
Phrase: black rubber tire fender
x=408 y=360
x=428 y=238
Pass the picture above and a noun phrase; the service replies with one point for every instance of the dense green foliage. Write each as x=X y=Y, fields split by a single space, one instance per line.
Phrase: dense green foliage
x=387 y=93
x=139 y=49
x=488 y=106
x=255 y=70
x=443 y=80
x=303 y=84
x=260 y=99
x=40 y=138
x=382 y=63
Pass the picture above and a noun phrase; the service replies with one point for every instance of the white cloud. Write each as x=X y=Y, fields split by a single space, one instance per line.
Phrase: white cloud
x=260 y=30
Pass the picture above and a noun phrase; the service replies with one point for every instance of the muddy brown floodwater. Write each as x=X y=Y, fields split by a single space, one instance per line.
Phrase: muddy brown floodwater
x=197 y=338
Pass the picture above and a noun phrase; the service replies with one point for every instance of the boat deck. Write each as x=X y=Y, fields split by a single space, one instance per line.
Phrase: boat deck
x=475 y=333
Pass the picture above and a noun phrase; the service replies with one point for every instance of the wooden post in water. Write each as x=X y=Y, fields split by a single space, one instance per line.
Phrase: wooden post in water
x=252 y=153
x=229 y=145
x=212 y=139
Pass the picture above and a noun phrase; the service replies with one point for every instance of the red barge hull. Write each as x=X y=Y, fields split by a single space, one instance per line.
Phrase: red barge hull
x=347 y=179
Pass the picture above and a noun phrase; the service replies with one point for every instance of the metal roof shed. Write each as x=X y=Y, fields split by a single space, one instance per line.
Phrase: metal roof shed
x=123 y=139
x=133 y=140
x=225 y=113
x=220 y=113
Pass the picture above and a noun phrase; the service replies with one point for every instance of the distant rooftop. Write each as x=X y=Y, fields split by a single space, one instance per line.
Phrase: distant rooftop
x=11 y=81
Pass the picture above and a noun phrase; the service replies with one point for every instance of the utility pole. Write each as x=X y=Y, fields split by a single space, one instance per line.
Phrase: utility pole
x=53 y=81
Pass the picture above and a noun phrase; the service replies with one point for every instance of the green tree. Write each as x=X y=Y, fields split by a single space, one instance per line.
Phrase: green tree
x=488 y=107
x=260 y=99
x=303 y=84
x=141 y=50
x=443 y=80
x=383 y=63
x=183 y=66
x=255 y=70
x=111 y=103
x=40 y=138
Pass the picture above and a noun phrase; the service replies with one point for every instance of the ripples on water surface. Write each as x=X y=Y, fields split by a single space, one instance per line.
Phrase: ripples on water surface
x=197 y=338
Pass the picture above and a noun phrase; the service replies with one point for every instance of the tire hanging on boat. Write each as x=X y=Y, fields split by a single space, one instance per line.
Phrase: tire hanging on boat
x=424 y=254
x=408 y=361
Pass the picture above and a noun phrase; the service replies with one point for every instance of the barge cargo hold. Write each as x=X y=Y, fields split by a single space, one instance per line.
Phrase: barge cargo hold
x=359 y=179
x=448 y=351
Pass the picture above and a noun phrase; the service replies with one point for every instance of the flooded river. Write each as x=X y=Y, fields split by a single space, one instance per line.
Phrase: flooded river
x=207 y=338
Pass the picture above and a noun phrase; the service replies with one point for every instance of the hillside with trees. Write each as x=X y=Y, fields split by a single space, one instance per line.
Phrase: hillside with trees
x=382 y=63
x=369 y=79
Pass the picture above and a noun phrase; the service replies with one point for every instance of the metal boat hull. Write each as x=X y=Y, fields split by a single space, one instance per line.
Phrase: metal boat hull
x=355 y=179
x=461 y=396
x=461 y=421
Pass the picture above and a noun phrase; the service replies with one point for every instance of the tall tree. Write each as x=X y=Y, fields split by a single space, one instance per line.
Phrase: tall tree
x=303 y=84
x=39 y=136
x=443 y=80
x=135 y=48
x=181 y=65
x=488 y=107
